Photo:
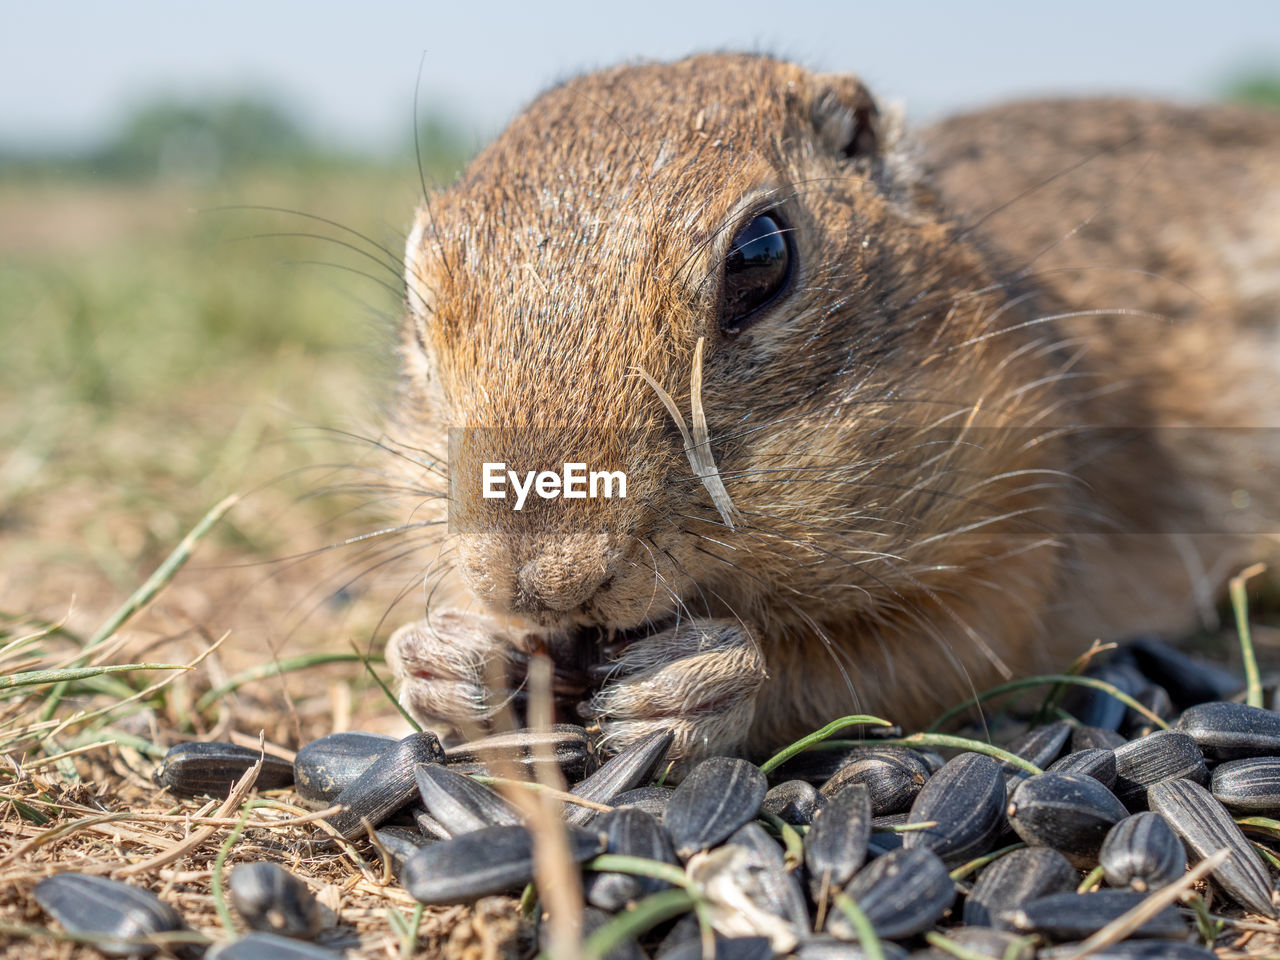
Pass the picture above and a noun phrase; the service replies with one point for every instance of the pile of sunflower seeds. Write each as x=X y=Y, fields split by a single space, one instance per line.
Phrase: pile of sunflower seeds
x=971 y=856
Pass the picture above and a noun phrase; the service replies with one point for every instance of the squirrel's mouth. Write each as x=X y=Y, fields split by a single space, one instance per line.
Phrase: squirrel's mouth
x=583 y=660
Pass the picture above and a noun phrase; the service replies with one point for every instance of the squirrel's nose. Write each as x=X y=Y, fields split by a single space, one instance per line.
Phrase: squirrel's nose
x=563 y=574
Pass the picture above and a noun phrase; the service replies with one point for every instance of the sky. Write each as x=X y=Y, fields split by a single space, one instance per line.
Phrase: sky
x=70 y=70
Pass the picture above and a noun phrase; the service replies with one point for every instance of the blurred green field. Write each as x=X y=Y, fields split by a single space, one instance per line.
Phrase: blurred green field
x=165 y=345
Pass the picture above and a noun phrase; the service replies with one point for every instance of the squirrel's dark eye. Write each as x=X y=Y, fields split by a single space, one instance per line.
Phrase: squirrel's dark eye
x=757 y=269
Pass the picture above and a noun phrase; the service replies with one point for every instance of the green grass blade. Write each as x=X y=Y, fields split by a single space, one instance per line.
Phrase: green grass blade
x=288 y=665
x=639 y=866
x=867 y=938
x=395 y=701
x=69 y=675
x=644 y=916
x=830 y=730
x=942 y=740
x=1240 y=607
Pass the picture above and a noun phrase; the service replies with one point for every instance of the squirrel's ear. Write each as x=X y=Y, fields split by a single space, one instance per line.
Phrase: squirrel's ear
x=845 y=116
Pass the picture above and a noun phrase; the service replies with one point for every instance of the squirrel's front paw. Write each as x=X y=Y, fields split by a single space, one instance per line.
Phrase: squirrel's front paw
x=454 y=670
x=698 y=678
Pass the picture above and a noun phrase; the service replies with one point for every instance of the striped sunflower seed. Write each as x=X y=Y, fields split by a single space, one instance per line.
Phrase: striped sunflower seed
x=1164 y=755
x=631 y=833
x=273 y=900
x=1142 y=852
x=1206 y=827
x=483 y=862
x=902 y=893
x=966 y=802
x=836 y=845
x=1015 y=879
x=111 y=912
x=211 y=768
x=458 y=803
x=386 y=786
x=1251 y=785
x=326 y=766
x=1230 y=731
x=1096 y=762
x=1074 y=916
x=629 y=769
x=717 y=797
x=1067 y=811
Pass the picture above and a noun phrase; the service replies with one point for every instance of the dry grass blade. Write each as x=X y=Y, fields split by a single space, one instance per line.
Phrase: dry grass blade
x=698 y=446
x=83 y=717
x=704 y=465
x=1126 y=923
x=1240 y=608
x=558 y=878
x=554 y=793
x=234 y=799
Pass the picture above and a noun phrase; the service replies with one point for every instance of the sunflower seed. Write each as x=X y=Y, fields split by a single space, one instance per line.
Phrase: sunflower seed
x=893 y=778
x=1133 y=950
x=717 y=797
x=400 y=843
x=567 y=744
x=387 y=785
x=270 y=946
x=1015 y=879
x=1042 y=745
x=1206 y=827
x=726 y=948
x=749 y=894
x=324 y=767
x=196 y=768
x=492 y=860
x=111 y=912
x=1067 y=811
x=626 y=771
x=631 y=833
x=428 y=826
x=1098 y=762
x=1097 y=708
x=592 y=920
x=878 y=844
x=990 y=942
x=1156 y=699
x=823 y=946
x=794 y=802
x=273 y=900
x=1251 y=785
x=652 y=800
x=966 y=801
x=1074 y=916
x=1188 y=680
x=902 y=893
x=1230 y=731
x=1093 y=738
x=816 y=766
x=781 y=887
x=458 y=803
x=836 y=845
x=1142 y=852
x=1164 y=755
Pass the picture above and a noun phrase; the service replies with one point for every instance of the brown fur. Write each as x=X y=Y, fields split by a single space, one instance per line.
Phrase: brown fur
x=921 y=510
